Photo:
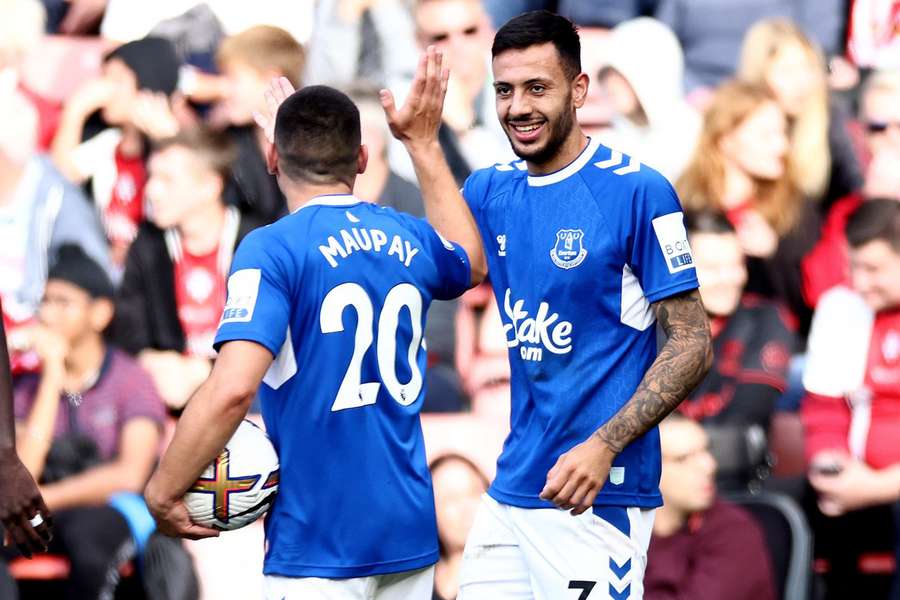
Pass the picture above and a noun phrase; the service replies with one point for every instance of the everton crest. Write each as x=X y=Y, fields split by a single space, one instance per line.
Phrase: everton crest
x=569 y=251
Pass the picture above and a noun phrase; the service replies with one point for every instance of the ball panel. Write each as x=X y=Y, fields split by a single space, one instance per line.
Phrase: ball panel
x=239 y=485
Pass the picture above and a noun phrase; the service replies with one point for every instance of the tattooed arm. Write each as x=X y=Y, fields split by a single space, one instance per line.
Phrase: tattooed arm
x=576 y=479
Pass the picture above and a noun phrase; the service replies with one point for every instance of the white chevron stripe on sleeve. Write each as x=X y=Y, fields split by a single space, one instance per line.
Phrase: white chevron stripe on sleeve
x=634 y=165
x=614 y=160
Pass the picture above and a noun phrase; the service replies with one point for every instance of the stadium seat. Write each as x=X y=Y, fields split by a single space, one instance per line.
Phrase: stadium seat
x=788 y=538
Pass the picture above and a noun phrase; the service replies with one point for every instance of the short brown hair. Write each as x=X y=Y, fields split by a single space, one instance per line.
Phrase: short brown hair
x=264 y=48
x=317 y=136
x=213 y=149
x=876 y=219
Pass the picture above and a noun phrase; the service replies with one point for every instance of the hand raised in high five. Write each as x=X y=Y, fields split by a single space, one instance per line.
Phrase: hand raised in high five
x=279 y=89
x=419 y=119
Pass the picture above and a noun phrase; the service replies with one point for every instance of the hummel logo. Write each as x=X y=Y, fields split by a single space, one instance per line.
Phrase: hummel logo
x=615 y=159
x=501 y=241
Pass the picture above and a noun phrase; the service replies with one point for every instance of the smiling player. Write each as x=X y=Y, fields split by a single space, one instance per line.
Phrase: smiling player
x=587 y=251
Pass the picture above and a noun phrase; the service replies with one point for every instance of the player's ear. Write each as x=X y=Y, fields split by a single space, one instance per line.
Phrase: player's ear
x=362 y=159
x=580 y=90
x=271 y=159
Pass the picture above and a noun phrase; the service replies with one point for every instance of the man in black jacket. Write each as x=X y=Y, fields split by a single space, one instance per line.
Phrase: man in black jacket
x=173 y=290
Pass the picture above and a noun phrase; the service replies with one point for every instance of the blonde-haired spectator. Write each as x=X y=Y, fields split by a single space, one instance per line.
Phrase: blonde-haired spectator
x=779 y=56
x=248 y=61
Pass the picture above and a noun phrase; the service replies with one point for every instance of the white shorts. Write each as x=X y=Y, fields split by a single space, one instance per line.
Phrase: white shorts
x=407 y=585
x=548 y=554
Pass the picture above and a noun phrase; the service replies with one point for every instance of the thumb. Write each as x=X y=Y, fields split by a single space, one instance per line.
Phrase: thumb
x=387 y=103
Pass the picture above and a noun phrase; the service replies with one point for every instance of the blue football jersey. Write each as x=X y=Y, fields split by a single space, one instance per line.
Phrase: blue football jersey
x=337 y=292
x=576 y=258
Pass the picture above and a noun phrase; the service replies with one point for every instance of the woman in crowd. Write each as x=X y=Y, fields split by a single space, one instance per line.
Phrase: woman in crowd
x=742 y=168
x=777 y=55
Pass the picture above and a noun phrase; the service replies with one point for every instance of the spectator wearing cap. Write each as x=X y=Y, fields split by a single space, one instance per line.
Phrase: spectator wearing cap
x=39 y=212
x=90 y=423
x=174 y=286
x=133 y=98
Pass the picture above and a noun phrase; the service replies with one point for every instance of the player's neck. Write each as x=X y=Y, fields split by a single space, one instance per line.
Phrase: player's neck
x=201 y=231
x=299 y=194
x=370 y=185
x=573 y=145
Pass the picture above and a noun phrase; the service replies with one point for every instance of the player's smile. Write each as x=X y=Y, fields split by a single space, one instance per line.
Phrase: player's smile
x=528 y=131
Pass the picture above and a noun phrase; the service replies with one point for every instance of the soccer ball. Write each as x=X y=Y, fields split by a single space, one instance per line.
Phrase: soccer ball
x=240 y=484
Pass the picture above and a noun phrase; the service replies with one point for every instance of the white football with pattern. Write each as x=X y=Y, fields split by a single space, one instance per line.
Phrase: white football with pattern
x=240 y=485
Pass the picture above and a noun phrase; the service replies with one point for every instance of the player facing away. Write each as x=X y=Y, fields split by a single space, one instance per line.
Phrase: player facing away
x=325 y=315
x=586 y=251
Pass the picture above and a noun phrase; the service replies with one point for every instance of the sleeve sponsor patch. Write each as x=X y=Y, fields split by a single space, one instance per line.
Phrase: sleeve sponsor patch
x=673 y=241
x=243 y=290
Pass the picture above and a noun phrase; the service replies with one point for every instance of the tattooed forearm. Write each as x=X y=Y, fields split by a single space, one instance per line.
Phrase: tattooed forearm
x=681 y=365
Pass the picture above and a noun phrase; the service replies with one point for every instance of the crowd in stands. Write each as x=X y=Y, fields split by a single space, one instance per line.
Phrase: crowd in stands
x=131 y=168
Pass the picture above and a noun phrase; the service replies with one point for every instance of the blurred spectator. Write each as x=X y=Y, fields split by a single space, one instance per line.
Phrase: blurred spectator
x=21 y=31
x=74 y=17
x=711 y=31
x=605 y=13
x=471 y=135
x=382 y=185
x=126 y=21
x=361 y=40
x=741 y=167
x=248 y=62
x=776 y=54
x=458 y=487
x=828 y=264
x=643 y=79
x=753 y=344
x=482 y=353
x=133 y=96
x=91 y=424
x=702 y=548
x=173 y=291
x=39 y=212
x=873 y=35
x=596 y=113
x=852 y=408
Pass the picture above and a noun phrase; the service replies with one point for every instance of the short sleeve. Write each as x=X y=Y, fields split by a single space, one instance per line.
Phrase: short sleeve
x=258 y=306
x=24 y=392
x=142 y=399
x=659 y=253
x=450 y=259
x=475 y=191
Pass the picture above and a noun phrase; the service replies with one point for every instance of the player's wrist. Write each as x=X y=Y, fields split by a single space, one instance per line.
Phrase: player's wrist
x=607 y=445
x=422 y=147
x=158 y=499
